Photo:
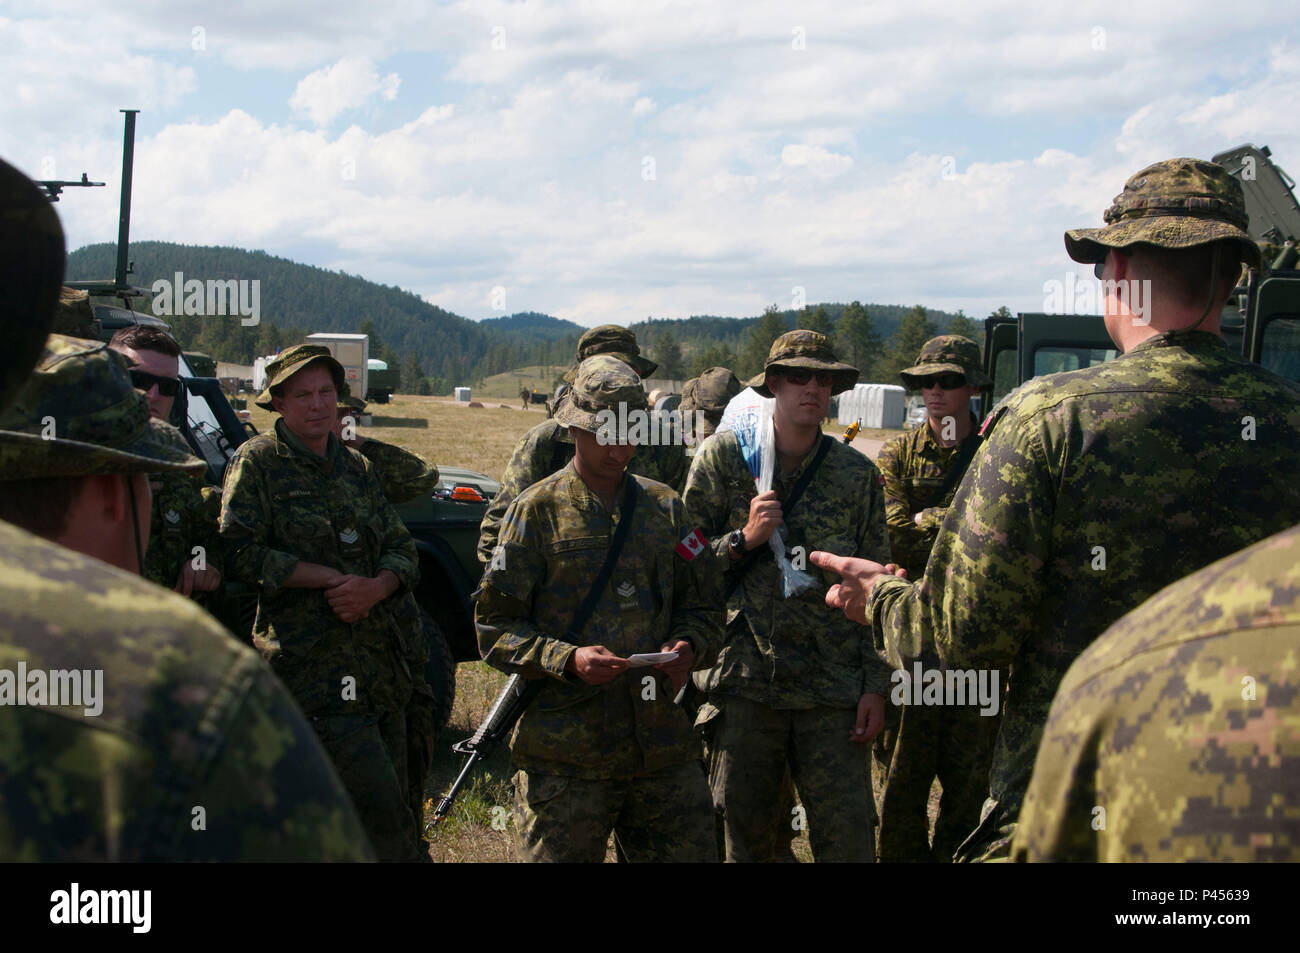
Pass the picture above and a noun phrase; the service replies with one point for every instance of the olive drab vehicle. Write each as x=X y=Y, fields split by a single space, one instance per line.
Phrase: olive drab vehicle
x=1261 y=318
x=444 y=524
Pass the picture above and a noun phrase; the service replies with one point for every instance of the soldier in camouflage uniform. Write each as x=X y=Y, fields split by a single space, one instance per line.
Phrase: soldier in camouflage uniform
x=548 y=446
x=1095 y=488
x=403 y=475
x=1181 y=723
x=603 y=747
x=189 y=719
x=183 y=516
x=304 y=519
x=706 y=397
x=921 y=471
x=796 y=683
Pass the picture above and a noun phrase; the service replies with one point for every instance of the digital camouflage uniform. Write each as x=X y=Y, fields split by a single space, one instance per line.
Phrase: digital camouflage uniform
x=183 y=517
x=548 y=446
x=1181 y=722
x=620 y=756
x=923 y=742
x=787 y=682
x=1153 y=465
x=282 y=504
x=192 y=750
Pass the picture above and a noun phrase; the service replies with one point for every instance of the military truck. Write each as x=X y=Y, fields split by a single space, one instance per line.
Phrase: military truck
x=1261 y=318
x=444 y=524
x=381 y=382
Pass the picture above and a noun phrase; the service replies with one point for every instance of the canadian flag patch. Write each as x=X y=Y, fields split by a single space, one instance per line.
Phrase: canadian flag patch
x=692 y=545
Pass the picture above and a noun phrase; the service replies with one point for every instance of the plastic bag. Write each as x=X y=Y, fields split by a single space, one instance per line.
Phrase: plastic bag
x=749 y=416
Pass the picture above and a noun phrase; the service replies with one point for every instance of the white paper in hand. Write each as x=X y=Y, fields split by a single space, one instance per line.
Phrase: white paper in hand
x=649 y=658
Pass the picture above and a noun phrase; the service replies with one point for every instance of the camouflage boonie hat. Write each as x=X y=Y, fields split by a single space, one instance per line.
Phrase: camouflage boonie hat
x=347 y=402
x=78 y=415
x=291 y=361
x=1177 y=203
x=708 y=396
x=946 y=354
x=611 y=339
x=603 y=382
x=804 y=350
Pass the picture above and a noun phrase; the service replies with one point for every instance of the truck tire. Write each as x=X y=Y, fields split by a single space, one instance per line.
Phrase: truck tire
x=439 y=670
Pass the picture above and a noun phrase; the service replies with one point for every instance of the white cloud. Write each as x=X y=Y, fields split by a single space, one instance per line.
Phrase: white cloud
x=522 y=165
x=348 y=84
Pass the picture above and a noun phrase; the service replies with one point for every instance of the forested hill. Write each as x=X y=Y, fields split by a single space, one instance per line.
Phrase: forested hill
x=431 y=344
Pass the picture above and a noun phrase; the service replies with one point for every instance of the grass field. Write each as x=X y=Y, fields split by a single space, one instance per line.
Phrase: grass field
x=482 y=439
x=539 y=377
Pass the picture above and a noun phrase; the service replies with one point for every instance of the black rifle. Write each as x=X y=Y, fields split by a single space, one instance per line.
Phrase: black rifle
x=506 y=710
x=519 y=692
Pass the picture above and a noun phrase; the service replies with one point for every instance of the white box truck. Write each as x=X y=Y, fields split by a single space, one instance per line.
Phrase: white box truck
x=353 y=352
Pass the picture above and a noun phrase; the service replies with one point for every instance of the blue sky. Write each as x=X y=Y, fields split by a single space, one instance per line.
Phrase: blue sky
x=609 y=162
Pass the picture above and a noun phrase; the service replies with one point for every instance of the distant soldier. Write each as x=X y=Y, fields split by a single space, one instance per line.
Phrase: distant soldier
x=183 y=532
x=1175 y=736
x=548 y=446
x=305 y=520
x=603 y=748
x=1095 y=488
x=402 y=474
x=921 y=470
x=168 y=759
x=795 y=685
x=525 y=395
x=705 y=398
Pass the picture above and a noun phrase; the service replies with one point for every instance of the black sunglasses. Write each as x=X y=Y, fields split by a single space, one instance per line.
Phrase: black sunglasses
x=945 y=381
x=143 y=380
x=799 y=378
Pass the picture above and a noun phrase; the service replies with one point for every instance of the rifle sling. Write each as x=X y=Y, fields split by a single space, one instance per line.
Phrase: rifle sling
x=787 y=506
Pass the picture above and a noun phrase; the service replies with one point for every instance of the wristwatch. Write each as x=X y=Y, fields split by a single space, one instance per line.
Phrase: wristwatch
x=736 y=542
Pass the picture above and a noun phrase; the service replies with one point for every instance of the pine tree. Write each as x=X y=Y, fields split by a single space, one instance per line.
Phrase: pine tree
x=916 y=328
x=668 y=355
x=817 y=320
x=769 y=327
x=964 y=326
x=412 y=375
x=858 y=341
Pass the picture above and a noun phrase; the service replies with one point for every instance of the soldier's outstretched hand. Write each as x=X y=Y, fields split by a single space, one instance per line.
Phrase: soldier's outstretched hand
x=595 y=664
x=857 y=578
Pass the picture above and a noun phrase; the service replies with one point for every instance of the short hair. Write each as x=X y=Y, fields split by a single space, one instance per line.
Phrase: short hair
x=145 y=337
x=39 y=505
x=1187 y=270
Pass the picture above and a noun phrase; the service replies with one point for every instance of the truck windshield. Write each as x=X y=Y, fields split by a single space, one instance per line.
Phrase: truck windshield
x=1281 y=346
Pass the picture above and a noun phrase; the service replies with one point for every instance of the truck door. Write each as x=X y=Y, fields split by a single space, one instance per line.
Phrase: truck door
x=1050 y=343
x=1273 y=325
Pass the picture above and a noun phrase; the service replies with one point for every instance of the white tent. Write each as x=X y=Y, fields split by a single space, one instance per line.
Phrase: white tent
x=879 y=406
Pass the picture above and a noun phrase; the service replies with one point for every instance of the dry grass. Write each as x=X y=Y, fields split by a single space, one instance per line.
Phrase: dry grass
x=442 y=430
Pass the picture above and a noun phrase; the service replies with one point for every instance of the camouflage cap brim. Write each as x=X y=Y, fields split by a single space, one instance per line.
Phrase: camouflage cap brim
x=845 y=375
x=1089 y=246
x=975 y=376
x=24 y=456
